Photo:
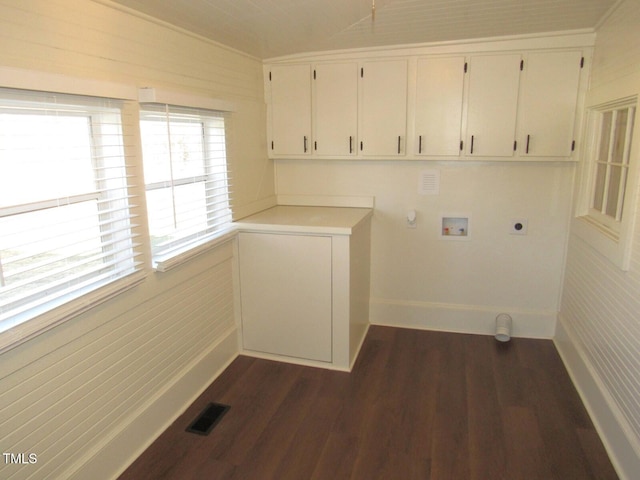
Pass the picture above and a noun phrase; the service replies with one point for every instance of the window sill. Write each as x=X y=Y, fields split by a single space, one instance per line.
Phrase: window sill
x=164 y=264
x=21 y=328
x=605 y=241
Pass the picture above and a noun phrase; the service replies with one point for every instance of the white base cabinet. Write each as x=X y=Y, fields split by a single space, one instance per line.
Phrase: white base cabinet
x=286 y=294
x=304 y=286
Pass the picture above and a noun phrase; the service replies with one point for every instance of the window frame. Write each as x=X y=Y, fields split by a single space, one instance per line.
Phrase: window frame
x=33 y=313
x=601 y=214
x=185 y=247
x=611 y=236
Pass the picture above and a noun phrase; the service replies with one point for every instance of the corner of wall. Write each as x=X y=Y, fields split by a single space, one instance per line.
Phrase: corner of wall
x=624 y=455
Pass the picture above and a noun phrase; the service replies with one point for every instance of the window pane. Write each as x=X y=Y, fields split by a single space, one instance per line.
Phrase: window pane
x=65 y=221
x=155 y=144
x=44 y=157
x=176 y=213
x=187 y=152
x=619 y=136
x=605 y=137
x=32 y=264
x=160 y=213
x=614 y=190
x=191 y=208
x=189 y=199
x=598 y=195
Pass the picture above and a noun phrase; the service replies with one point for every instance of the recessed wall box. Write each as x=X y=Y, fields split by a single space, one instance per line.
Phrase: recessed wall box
x=454 y=226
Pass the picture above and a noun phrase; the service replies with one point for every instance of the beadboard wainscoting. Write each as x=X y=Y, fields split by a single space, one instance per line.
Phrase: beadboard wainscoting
x=599 y=324
x=87 y=396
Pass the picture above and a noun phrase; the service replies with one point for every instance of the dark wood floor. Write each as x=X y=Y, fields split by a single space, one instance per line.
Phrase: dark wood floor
x=417 y=405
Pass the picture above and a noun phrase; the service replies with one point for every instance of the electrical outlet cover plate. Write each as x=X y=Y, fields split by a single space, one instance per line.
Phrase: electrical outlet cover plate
x=518 y=226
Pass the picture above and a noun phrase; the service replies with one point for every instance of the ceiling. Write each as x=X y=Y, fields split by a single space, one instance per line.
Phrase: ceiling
x=272 y=28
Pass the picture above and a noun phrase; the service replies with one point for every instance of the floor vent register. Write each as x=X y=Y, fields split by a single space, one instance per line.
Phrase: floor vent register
x=209 y=418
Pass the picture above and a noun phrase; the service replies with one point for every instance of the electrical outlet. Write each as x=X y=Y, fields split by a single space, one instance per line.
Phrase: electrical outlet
x=518 y=226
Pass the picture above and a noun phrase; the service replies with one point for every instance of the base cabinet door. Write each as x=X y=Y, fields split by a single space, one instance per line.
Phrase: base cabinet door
x=285 y=290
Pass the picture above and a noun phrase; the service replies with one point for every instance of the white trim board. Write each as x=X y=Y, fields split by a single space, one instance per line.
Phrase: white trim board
x=608 y=420
x=474 y=319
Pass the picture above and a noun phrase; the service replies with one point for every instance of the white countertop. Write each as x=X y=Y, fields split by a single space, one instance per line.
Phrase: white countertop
x=304 y=219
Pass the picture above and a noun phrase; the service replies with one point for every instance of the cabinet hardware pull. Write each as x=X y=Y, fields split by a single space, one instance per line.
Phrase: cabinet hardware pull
x=361 y=146
x=471 y=145
x=527 y=149
x=420 y=144
x=305 y=144
x=350 y=144
x=398 y=144
x=315 y=145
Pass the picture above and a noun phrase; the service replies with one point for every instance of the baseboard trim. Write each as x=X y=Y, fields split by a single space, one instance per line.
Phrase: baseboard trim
x=605 y=416
x=457 y=318
x=120 y=449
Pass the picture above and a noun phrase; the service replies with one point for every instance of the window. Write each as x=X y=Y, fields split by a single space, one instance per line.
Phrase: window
x=65 y=219
x=186 y=180
x=609 y=180
x=614 y=127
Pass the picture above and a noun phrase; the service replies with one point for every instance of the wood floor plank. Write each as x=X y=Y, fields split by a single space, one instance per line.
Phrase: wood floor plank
x=487 y=444
x=450 y=435
x=417 y=405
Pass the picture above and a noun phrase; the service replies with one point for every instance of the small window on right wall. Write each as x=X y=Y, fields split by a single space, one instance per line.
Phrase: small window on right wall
x=607 y=213
x=614 y=129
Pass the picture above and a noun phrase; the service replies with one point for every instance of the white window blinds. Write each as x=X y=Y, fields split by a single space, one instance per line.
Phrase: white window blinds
x=66 y=226
x=186 y=179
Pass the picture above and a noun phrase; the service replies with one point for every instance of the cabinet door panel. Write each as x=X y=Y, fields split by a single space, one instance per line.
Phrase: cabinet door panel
x=439 y=93
x=383 y=113
x=493 y=105
x=549 y=103
x=335 y=109
x=291 y=109
x=285 y=291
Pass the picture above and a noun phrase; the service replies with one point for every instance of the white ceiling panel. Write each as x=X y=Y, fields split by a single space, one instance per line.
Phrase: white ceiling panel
x=272 y=28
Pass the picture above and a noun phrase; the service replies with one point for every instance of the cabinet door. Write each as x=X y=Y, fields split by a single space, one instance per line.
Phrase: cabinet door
x=439 y=93
x=285 y=292
x=492 y=105
x=290 y=109
x=548 y=105
x=335 y=109
x=383 y=112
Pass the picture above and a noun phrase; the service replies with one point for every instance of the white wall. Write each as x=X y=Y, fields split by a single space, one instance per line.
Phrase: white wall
x=87 y=396
x=599 y=323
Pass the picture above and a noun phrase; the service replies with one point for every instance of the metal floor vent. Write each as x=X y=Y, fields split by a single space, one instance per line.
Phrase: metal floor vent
x=209 y=418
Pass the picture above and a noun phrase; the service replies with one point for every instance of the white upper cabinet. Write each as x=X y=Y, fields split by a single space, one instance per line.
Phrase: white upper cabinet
x=444 y=104
x=438 y=106
x=548 y=104
x=492 y=105
x=290 y=88
x=335 y=109
x=383 y=108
